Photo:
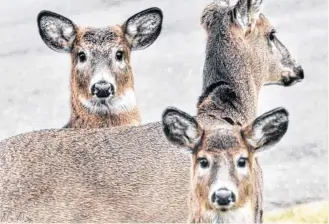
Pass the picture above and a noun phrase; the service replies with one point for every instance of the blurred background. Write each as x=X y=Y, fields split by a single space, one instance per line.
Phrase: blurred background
x=34 y=84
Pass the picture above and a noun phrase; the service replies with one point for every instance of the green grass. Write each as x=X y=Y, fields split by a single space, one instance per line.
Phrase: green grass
x=315 y=212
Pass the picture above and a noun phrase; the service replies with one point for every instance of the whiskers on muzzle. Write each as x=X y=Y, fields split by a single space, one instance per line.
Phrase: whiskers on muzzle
x=97 y=106
x=113 y=105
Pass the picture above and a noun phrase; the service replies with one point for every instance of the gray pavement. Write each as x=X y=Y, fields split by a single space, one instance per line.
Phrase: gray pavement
x=34 y=84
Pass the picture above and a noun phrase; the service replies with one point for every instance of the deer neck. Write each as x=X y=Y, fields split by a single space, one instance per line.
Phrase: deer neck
x=230 y=90
x=223 y=101
x=232 y=77
x=124 y=112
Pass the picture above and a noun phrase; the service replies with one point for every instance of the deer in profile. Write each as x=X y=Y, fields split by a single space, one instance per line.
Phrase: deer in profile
x=102 y=81
x=134 y=174
x=224 y=176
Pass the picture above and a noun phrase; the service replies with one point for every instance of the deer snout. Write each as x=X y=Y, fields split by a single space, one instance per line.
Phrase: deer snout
x=223 y=197
x=299 y=71
x=290 y=78
x=102 y=89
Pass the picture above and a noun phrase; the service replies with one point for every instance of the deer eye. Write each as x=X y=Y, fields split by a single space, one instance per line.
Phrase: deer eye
x=242 y=162
x=204 y=163
x=271 y=35
x=82 y=56
x=119 y=55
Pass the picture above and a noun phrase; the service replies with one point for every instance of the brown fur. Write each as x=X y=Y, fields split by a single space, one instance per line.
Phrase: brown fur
x=120 y=174
x=101 y=82
x=80 y=116
x=83 y=119
x=199 y=203
x=217 y=168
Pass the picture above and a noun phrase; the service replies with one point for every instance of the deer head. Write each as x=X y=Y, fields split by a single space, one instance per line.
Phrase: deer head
x=222 y=164
x=242 y=40
x=101 y=77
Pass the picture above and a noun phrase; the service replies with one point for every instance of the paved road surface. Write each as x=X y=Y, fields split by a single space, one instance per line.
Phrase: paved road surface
x=34 y=91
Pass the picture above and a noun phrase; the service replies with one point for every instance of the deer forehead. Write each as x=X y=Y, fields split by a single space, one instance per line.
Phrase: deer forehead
x=223 y=140
x=101 y=38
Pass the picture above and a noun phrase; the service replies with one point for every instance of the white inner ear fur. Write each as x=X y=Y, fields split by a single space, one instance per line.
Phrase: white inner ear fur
x=150 y=23
x=68 y=32
x=183 y=127
x=258 y=133
x=147 y=23
x=193 y=134
x=255 y=138
x=54 y=28
x=225 y=3
x=248 y=21
x=132 y=30
x=131 y=34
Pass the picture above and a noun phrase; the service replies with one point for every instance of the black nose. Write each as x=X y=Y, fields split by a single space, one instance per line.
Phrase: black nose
x=102 y=89
x=299 y=72
x=223 y=197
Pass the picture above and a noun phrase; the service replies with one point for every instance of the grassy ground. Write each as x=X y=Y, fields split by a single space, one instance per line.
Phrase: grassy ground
x=315 y=212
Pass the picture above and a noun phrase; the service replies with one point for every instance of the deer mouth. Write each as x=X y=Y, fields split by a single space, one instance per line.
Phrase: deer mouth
x=223 y=208
x=101 y=101
x=97 y=105
x=290 y=81
x=114 y=105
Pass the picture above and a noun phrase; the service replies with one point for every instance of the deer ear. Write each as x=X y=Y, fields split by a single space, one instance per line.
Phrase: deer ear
x=246 y=13
x=267 y=129
x=56 y=31
x=210 y=16
x=143 y=28
x=180 y=128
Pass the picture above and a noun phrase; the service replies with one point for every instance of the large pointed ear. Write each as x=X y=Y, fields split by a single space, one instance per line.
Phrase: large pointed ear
x=143 y=28
x=56 y=31
x=180 y=128
x=210 y=16
x=267 y=129
x=246 y=13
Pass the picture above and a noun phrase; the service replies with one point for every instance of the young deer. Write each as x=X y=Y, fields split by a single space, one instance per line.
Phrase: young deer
x=224 y=173
x=134 y=174
x=102 y=82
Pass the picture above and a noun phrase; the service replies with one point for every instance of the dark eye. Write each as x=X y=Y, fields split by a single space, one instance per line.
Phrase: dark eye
x=82 y=57
x=203 y=163
x=271 y=36
x=242 y=162
x=119 y=55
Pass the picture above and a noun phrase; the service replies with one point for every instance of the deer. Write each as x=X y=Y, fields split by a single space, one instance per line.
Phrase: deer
x=224 y=174
x=101 y=81
x=134 y=174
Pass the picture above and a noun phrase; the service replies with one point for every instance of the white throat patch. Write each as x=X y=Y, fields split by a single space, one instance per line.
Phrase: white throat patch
x=239 y=215
x=123 y=103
